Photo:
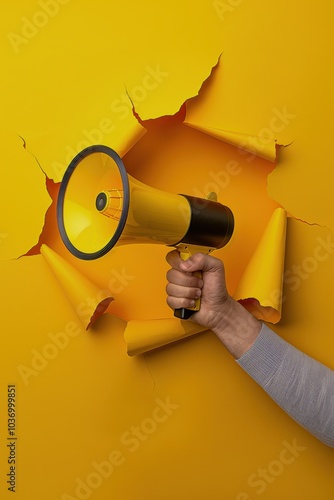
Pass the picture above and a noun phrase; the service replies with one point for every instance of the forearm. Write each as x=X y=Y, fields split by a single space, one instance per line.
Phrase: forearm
x=303 y=387
x=236 y=328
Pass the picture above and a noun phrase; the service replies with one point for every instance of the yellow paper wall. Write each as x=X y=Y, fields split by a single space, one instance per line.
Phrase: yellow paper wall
x=183 y=421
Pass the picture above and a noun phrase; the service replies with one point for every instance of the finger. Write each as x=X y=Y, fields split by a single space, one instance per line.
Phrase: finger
x=197 y=262
x=174 y=259
x=202 y=262
x=183 y=279
x=178 y=303
x=183 y=292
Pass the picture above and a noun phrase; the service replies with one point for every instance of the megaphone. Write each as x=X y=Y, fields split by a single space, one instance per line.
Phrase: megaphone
x=100 y=205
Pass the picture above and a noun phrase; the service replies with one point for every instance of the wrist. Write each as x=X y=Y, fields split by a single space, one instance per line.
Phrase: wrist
x=236 y=328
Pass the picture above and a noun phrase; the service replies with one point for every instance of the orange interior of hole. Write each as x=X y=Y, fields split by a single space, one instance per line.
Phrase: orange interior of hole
x=178 y=159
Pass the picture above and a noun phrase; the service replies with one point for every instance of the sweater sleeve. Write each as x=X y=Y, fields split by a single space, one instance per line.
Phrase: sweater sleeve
x=302 y=386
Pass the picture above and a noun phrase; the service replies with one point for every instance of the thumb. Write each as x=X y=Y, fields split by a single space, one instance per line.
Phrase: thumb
x=201 y=262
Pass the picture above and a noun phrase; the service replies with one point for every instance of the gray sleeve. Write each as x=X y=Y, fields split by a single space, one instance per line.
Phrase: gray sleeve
x=302 y=386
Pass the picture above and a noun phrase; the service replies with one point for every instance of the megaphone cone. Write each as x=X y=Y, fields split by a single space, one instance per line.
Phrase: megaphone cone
x=100 y=205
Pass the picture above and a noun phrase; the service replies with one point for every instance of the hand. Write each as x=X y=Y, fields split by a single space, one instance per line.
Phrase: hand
x=183 y=288
x=219 y=312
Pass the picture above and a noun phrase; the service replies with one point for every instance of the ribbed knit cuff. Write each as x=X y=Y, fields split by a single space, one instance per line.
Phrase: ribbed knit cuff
x=265 y=356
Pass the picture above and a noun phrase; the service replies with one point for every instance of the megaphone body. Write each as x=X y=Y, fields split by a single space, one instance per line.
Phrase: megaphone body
x=100 y=205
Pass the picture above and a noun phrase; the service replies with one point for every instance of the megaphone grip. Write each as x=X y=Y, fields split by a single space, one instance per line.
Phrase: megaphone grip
x=185 y=252
x=183 y=313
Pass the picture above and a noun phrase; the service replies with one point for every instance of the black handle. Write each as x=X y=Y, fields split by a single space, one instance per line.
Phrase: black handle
x=183 y=313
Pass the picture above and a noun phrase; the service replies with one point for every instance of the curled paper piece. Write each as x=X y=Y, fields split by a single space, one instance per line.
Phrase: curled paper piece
x=88 y=301
x=145 y=335
x=261 y=286
x=253 y=144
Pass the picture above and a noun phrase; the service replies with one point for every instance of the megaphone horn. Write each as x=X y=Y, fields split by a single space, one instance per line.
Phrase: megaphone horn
x=100 y=205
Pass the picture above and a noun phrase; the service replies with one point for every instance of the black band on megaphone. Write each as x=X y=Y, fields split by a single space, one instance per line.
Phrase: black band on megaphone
x=211 y=223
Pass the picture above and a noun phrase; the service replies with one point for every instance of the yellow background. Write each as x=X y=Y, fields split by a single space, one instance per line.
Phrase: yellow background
x=63 y=83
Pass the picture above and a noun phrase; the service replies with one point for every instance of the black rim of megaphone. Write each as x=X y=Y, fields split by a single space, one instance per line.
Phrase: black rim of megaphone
x=61 y=197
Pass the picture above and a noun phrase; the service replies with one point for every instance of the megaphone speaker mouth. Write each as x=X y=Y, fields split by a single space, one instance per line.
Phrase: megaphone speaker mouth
x=83 y=201
x=101 y=202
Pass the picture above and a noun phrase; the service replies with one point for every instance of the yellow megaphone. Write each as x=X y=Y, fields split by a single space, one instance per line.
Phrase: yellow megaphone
x=100 y=205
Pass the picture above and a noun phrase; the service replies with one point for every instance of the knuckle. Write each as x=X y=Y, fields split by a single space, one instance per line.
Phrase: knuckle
x=186 y=292
x=168 y=274
x=170 y=257
x=182 y=302
x=169 y=301
x=200 y=259
x=169 y=289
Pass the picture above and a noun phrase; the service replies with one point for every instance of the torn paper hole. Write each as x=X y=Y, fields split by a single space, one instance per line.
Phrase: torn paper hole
x=24 y=199
x=142 y=337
